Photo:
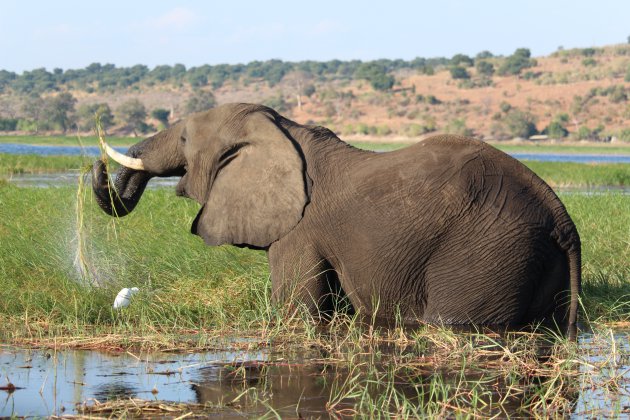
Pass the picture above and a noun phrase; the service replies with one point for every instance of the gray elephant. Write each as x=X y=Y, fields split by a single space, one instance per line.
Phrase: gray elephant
x=449 y=230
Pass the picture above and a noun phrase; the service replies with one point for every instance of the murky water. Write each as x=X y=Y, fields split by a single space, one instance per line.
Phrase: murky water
x=305 y=383
x=94 y=151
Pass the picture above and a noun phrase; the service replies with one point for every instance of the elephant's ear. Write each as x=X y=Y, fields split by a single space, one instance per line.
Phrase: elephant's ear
x=258 y=193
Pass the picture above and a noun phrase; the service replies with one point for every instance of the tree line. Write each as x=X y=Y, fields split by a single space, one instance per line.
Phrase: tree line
x=108 y=77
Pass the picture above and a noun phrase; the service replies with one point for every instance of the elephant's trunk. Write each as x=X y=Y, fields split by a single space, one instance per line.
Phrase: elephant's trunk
x=128 y=188
x=158 y=155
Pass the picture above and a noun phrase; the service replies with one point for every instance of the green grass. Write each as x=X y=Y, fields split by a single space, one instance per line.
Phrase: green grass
x=35 y=164
x=581 y=174
x=187 y=284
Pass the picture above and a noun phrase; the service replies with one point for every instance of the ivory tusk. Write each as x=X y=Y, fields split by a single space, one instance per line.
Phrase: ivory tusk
x=129 y=162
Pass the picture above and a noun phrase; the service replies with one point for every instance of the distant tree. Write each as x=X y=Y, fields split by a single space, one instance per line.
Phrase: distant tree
x=515 y=63
x=459 y=59
x=278 y=103
x=556 y=130
x=520 y=124
x=199 y=101
x=33 y=109
x=88 y=115
x=134 y=114
x=375 y=73
x=484 y=68
x=458 y=72
x=8 y=124
x=60 y=110
x=161 y=115
x=484 y=54
x=458 y=126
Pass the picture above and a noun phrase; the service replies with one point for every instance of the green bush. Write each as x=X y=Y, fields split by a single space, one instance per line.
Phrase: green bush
x=458 y=126
x=383 y=130
x=585 y=133
x=617 y=94
x=624 y=135
x=415 y=130
x=515 y=63
x=201 y=100
x=362 y=128
x=459 y=59
x=161 y=115
x=87 y=115
x=278 y=103
x=484 y=68
x=375 y=73
x=520 y=124
x=589 y=62
x=556 y=130
x=458 y=72
x=8 y=124
x=28 y=125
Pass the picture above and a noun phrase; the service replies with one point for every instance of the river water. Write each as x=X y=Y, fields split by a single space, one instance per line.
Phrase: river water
x=94 y=151
x=57 y=382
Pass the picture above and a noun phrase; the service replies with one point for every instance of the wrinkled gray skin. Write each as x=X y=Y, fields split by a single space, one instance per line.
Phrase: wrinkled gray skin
x=449 y=230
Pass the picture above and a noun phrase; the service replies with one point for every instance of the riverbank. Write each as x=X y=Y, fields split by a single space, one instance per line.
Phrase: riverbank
x=364 y=142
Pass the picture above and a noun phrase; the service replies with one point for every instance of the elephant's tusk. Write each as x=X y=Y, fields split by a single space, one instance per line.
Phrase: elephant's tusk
x=129 y=162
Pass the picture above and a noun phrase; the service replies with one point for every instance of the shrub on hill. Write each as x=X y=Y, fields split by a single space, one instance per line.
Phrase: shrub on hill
x=484 y=68
x=201 y=100
x=458 y=72
x=376 y=74
x=516 y=62
x=461 y=59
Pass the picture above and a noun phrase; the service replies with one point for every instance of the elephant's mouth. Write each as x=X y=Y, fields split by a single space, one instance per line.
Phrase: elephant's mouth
x=180 y=189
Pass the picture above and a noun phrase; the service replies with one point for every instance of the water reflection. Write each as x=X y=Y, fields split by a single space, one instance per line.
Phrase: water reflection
x=314 y=382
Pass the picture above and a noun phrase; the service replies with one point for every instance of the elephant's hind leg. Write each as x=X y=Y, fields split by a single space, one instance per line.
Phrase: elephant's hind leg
x=301 y=277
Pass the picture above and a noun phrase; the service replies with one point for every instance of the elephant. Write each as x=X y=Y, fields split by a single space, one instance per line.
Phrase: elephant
x=449 y=230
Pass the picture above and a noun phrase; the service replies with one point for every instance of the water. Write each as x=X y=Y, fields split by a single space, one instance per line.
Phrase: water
x=304 y=382
x=94 y=151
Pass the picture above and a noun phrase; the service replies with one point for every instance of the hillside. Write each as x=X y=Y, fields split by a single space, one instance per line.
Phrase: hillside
x=579 y=94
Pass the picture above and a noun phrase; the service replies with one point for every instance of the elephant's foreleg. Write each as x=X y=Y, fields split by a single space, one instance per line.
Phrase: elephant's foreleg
x=300 y=278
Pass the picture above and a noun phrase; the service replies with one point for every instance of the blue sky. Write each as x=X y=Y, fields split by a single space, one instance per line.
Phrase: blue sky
x=73 y=34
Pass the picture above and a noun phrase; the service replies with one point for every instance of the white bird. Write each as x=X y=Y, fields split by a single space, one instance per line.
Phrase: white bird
x=123 y=298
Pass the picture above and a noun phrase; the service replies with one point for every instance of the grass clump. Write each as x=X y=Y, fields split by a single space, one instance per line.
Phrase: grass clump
x=11 y=164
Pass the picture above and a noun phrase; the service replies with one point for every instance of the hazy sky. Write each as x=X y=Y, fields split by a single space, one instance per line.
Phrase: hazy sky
x=73 y=34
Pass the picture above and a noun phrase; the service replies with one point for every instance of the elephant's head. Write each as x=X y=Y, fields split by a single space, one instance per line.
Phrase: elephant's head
x=236 y=160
